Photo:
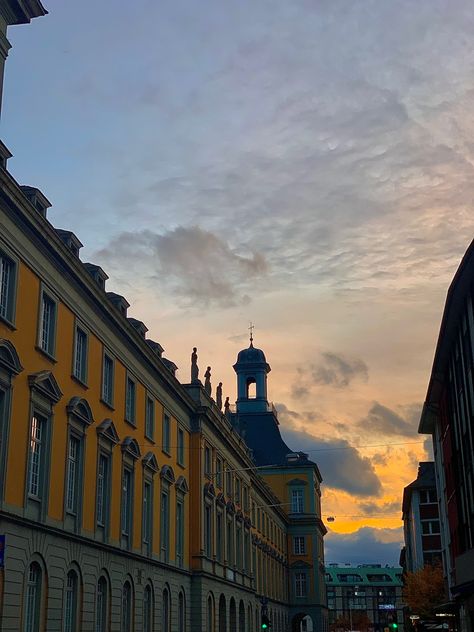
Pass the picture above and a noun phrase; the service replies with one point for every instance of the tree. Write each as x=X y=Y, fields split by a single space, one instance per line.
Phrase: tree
x=424 y=590
x=360 y=622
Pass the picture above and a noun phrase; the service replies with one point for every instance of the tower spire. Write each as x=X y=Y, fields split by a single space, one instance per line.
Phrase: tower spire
x=251 y=328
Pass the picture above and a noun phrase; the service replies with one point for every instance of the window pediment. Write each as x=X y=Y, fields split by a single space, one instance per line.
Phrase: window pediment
x=131 y=447
x=9 y=359
x=106 y=430
x=297 y=482
x=167 y=473
x=149 y=461
x=300 y=564
x=182 y=485
x=45 y=383
x=80 y=408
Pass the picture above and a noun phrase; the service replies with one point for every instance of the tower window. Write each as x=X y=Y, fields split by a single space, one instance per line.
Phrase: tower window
x=251 y=388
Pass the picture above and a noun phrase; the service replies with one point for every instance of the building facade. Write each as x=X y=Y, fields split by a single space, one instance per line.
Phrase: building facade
x=128 y=500
x=447 y=415
x=367 y=596
x=421 y=525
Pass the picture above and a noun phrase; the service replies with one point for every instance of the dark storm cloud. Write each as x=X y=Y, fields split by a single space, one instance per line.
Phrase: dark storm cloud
x=341 y=465
x=339 y=371
x=383 y=420
x=191 y=262
x=365 y=546
x=389 y=508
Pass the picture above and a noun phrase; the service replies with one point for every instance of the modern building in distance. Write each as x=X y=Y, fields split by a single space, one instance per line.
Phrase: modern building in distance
x=448 y=415
x=365 y=590
x=421 y=526
x=128 y=500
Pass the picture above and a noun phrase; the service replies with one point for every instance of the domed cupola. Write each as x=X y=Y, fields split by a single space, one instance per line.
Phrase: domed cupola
x=251 y=368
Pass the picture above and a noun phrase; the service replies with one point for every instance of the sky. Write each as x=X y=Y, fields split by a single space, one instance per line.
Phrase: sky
x=307 y=166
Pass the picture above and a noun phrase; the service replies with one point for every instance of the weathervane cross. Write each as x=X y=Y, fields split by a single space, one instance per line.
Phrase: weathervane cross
x=251 y=328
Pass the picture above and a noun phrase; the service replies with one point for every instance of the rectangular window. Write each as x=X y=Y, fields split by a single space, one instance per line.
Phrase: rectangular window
x=208 y=530
x=47 y=324
x=245 y=500
x=80 y=355
x=228 y=483
x=147 y=513
x=166 y=433
x=108 y=380
x=102 y=489
x=127 y=480
x=238 y=547
x=36 y=461
x=7 y=287
x=219 y=473
x=297 y=501
x=150 y=418
x=207 y=461
x=73 y=473
x=299 y=545
x=179 y=532
x=180 y=452
x=219 y=536
x=230 y=544
x=164 y=525
x=300 y=584
x=430 y=527
x=427 y=496
x=237 y=490
x=130 y=400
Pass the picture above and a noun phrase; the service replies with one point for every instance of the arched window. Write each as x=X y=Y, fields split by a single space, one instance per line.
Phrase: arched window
x=222 y=615
x=251 y=388
x=210 y=614
x=71 y=602
x=33 y=598
x=165 y=612
x=181 y=613
x=249 y=617
x=102 y=606
x=232 y=615
x=241 y=616
x=148 y=609
x=127 y=607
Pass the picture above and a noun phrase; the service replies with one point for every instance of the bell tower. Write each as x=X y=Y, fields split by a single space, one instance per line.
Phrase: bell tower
x=252 y=369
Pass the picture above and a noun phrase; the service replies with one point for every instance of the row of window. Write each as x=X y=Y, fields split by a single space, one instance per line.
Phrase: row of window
x=47 y=328
x=35 y=611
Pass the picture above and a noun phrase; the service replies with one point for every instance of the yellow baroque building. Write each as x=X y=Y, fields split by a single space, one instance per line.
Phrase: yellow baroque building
x=128 y=500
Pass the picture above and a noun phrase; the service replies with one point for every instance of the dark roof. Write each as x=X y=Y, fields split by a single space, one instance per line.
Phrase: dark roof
x=457 y=292
x=262 y=436
x=252 y=355
x=426 y=479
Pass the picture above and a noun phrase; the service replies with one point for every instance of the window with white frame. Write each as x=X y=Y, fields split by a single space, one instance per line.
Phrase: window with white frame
x=33 y=598
x=80 y=355
x=148 y=609
x=297 y=501
x=37 y=456
x=103 y=489
x=164 y=522
x=102 y=606
x=71 y=602
x=207 y=461
x=147 y=517
x=430 y=527
x=150 y=418
x=166 y=433
x=47 y=326
x=130 y=400
x=180 y=451
x=179 y=530
x=300 y=585
x=299 y=545
x=108 y=380
x=428 y=496
x=127 y=501
x=127 y=606
x=7 y=287
x=73 y=473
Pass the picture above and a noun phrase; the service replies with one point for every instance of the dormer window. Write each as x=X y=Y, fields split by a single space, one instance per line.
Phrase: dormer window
x=119 y=302
x=139 y=326
x=37 y=199
x=70 y=240
x=155 y=346
x=96 y=272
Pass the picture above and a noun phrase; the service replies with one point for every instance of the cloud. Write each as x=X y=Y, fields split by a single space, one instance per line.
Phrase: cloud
x=339 y=371
x=383 y=420
x=191 y=262
x=341 y=465
x=365 y=546
x=389 y=508
x=333 y=370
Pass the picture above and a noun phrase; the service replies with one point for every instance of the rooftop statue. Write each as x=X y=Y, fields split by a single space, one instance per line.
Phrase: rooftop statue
x=194 y=366
x=207 y=381
x=219 y=396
